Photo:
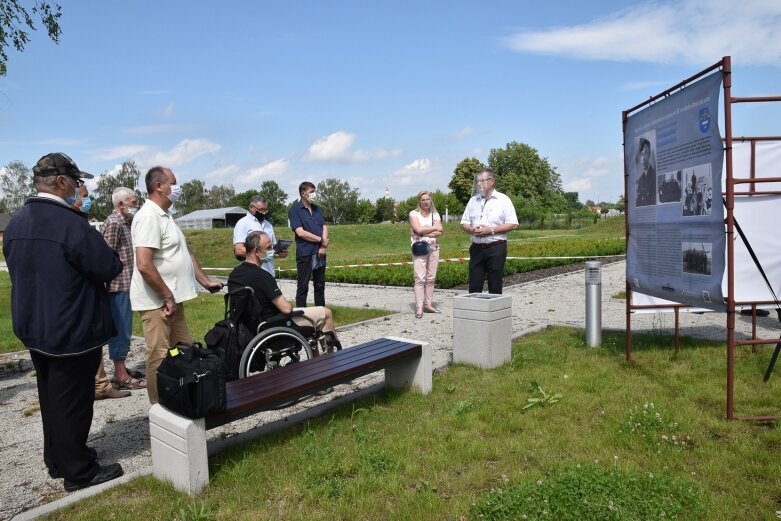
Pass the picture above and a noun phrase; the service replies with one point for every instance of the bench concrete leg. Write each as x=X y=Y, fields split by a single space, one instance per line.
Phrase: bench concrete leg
x=178 y=449
x=411 y=372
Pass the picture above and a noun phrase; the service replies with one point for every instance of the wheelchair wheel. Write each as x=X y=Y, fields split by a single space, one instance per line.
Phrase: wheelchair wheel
x=272 y=348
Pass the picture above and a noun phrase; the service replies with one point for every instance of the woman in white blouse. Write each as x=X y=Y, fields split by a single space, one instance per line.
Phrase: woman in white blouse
x=425 y=225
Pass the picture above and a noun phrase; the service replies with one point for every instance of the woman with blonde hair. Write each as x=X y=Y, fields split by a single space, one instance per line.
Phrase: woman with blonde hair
x=426 y=226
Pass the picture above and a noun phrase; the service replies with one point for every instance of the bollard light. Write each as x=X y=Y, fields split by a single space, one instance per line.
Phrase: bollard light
x=593 y=303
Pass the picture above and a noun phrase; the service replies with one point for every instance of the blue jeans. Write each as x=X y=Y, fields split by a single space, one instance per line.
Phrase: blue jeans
x=119 y=346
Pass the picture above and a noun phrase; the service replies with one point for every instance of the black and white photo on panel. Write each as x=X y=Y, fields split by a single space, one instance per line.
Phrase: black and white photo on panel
x=698 y=190
x=645 y=169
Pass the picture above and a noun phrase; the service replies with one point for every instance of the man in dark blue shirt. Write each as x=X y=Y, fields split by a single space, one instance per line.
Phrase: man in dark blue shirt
x=307 y=221
x=59 y=267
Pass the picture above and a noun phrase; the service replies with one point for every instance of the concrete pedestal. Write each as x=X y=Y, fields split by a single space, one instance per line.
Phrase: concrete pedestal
x=482 y=329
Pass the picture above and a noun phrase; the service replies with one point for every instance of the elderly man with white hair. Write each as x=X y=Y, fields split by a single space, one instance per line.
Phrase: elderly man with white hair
x=116 y=232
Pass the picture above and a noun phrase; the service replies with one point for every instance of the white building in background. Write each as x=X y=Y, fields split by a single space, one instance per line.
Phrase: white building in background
x=211 y=218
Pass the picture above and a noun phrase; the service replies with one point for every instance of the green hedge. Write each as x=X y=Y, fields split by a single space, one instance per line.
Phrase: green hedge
x=456 y=273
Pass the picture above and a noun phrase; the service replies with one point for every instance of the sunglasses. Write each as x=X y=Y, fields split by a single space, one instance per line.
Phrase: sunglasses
x=79 y=181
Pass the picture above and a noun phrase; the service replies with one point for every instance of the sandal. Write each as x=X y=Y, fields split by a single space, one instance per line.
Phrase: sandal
x=129 y=383
x=418 y=314
x=138 y=375
x=432 y=310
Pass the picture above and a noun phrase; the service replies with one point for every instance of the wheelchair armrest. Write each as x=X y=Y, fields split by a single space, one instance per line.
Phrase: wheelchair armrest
x=282 y=317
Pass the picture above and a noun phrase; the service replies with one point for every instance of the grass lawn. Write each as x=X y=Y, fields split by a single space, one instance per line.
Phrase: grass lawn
x=202 y=312
x=640 y=441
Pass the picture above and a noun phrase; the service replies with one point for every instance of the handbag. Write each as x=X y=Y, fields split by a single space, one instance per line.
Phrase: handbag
x=191 y=382
x=421 y=248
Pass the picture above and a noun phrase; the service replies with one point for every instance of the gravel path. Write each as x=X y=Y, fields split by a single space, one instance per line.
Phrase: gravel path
x=120 y=430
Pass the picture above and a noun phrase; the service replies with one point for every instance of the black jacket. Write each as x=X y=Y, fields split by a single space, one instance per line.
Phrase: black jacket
x=59 y=267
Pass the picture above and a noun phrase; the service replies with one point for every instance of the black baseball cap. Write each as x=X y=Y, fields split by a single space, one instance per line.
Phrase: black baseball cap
x=58 y=163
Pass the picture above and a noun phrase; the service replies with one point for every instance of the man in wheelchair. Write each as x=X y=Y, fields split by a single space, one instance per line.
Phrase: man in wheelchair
x=283 y=334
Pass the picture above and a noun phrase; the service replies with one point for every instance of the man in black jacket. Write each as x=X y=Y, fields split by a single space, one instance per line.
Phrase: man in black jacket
x=59 y=267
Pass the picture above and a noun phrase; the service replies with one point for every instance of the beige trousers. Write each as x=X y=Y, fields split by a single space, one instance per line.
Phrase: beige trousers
x=161 y=333
x=425 y=270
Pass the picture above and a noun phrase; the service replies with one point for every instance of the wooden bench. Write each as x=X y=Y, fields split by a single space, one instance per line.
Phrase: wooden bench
x=179 y=452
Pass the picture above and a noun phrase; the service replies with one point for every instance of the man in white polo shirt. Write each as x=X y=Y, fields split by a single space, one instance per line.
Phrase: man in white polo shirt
x=488 y=217
x=255 y=221
x=164 y=274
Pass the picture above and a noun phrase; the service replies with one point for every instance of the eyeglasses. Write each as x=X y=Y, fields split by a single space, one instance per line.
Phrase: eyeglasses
x=79 y=181
x=485 y=180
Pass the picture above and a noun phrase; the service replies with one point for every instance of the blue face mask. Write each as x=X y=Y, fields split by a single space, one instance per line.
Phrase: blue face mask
x=71 y=199
x=86 y=204
x=269 y=256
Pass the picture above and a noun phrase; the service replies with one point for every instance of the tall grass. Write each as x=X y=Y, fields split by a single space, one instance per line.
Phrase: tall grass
x=626 y=441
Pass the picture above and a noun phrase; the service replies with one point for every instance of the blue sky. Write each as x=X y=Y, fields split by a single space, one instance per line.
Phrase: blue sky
x=380 y=94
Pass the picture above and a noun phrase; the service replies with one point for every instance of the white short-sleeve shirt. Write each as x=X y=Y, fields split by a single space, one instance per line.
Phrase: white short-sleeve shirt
x=249 y=223
x=155 y=228
x=423 y=221
x=494 y=210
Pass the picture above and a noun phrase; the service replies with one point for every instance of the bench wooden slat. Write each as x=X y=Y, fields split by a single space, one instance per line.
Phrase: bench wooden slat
x=264 y=391
x=340 y=360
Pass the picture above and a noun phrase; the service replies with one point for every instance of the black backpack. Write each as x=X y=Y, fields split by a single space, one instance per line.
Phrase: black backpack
x=230 y=336
x=223 y=339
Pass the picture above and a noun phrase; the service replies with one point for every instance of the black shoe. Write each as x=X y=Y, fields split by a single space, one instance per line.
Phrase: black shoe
x=55 y=473
x=105 y=473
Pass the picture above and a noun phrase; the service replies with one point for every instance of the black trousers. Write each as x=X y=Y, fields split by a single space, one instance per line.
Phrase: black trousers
x=486 y=262
x=66 y=393
x=305 y=273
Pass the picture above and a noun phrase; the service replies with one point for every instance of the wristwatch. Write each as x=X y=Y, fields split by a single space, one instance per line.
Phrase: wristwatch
x=493 y=230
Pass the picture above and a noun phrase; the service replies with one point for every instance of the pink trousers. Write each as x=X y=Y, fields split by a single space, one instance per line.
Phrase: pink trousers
x=425 y=269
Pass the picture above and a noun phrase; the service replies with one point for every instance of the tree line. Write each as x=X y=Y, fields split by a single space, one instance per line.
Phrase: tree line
x=531 y=182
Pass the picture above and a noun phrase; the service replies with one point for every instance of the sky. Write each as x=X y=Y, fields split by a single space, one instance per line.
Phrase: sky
x=386 y=95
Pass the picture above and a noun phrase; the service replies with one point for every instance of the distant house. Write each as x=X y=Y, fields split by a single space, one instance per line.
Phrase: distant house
x=5 y=218
x=212 y=218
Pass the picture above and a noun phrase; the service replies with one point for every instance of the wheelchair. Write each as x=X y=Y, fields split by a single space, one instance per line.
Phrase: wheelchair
x=274 y=342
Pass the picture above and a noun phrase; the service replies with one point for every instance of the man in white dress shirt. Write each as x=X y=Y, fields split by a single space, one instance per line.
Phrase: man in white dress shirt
x=488 y=217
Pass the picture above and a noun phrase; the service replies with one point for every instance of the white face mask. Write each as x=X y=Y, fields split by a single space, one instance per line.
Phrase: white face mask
x=176 y=191
x=131 y=211
x=312 y=197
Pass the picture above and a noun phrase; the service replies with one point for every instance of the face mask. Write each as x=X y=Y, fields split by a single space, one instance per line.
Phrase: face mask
x=71 y=199
x=312 y=197
x=176 y=191
x=86 y=204
x=269 y=256
x=259 y=216
x=131 y=212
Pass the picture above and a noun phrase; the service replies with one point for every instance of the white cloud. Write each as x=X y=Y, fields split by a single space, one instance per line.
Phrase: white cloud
x=164 y=128
x=463 y=133
x=267 y=171
x=120 y=152
x=593 y=177
x=223 y=171
x=332 y=147
x=336 y=147
x=168 y=110
x=690 y=32
x=412 y=172
x=184 y=152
